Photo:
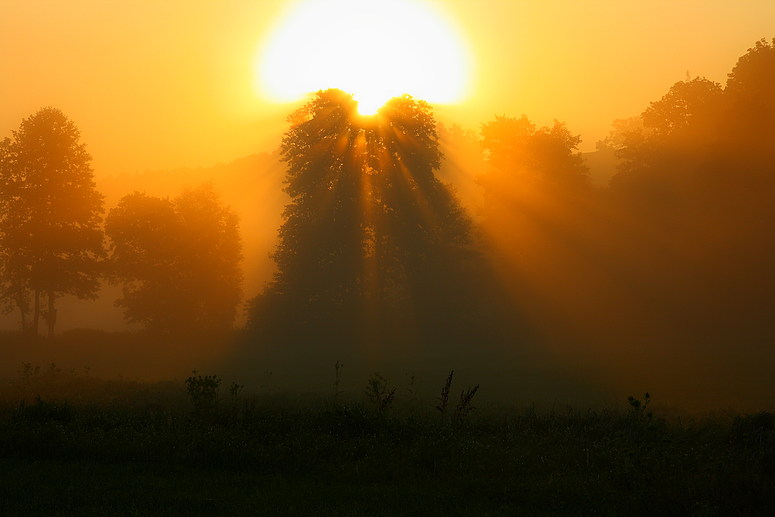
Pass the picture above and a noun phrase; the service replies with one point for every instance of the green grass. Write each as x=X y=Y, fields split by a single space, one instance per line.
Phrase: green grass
x=134 y=449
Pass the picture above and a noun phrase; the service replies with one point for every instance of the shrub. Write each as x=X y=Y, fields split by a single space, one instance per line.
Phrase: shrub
x=203 y=390
x=638 y=406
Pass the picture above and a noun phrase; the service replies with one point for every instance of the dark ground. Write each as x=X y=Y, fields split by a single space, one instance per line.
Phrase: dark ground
x=71 y=444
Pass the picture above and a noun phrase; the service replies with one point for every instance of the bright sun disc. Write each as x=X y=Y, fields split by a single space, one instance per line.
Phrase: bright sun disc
x=374 y=49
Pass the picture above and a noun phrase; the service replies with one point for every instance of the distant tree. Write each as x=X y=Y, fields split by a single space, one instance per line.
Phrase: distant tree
x=537 y=212
x=529 y=171
x=680 y=129
x=698 y=132
x=179 y=260
x=372 y=241
x=686 y=105
x=750 y=109
x=749 y=84
x=702 y=147
x=463 y=161
x=697 y=187
x=516 y=148
x=50 y=217
x=621 y=131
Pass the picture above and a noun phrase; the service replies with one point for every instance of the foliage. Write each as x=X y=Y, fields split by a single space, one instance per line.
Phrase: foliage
x=444 y=397
x=379 y=392
x=639 y=406
x=687 y=103
x=50 y=218
x=179 y=260
x=696 y=183
x=519 y=155
x=749 y=84
x=535 y=192
x=698 y=128
x=203 y=390
x=235 y=390
x=290 y=459
x=337 y=379
x=411 y=390
x=372 y=242
x=464 y=406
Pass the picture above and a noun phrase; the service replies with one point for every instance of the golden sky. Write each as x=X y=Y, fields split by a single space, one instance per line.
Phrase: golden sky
x=156 y=84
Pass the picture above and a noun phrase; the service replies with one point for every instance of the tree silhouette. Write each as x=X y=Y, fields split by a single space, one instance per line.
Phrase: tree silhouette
x=679 y=132
x=750 y=110
x=50 y=216
x=688 y=104
x=697 y=184
x=533 y=175
x=372 y=245
x=701 y=143
x=548 y=154
x=178 y=259
x=750 y=82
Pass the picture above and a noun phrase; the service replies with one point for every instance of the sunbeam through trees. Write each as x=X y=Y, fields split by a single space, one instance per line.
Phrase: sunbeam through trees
x=373 y=248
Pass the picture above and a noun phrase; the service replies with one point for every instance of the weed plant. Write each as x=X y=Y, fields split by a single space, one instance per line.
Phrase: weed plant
x=353 y=456
x=379 y=394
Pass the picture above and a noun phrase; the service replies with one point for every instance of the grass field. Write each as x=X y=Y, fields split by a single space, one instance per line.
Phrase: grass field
x=72 y=444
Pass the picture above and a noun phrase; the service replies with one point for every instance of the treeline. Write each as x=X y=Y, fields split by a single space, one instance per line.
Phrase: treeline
x=669 y=265
x=375 y=251
x=667 y=272
x=178 y=260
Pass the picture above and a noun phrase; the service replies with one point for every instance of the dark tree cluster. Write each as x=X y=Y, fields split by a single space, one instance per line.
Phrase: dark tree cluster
x=532 y=178
x=675 y=257
x=373 y=248
x=179 y=261
x=702 y=170
x=375 y=251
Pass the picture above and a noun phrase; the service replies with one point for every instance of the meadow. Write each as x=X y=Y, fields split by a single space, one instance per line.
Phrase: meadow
x=72 y=443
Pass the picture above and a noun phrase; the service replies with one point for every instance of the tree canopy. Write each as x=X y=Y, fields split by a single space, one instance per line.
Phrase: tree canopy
x=50 y=216
x=372 y=242
x=179 y=260
x=695 y=185
x=532 y=175
x=700 y=142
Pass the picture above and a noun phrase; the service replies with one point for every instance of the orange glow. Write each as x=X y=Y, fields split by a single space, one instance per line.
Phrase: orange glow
x=657 y=260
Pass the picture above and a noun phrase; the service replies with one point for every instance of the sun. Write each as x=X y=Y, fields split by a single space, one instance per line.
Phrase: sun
x=374 y=49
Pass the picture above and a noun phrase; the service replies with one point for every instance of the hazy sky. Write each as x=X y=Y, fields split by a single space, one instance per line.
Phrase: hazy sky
x=161 y=84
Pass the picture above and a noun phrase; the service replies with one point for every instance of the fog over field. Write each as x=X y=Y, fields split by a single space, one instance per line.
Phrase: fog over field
x=551 y=200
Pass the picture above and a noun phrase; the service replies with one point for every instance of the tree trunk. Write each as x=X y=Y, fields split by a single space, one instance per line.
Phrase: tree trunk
x=25 y=327
x=51 y=315
x=36 y=313
x=24 y=307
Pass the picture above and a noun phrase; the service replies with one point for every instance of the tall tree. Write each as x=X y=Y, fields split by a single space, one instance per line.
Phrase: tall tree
x=179 y=260
x=750 y=110
x=751 y=79
x=679 y=132
x=696 y=184
x=372 y=244
x=50 y=217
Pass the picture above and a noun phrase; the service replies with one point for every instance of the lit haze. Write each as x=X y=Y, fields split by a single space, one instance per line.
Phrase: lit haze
x=160 y=85
x=566 y=198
